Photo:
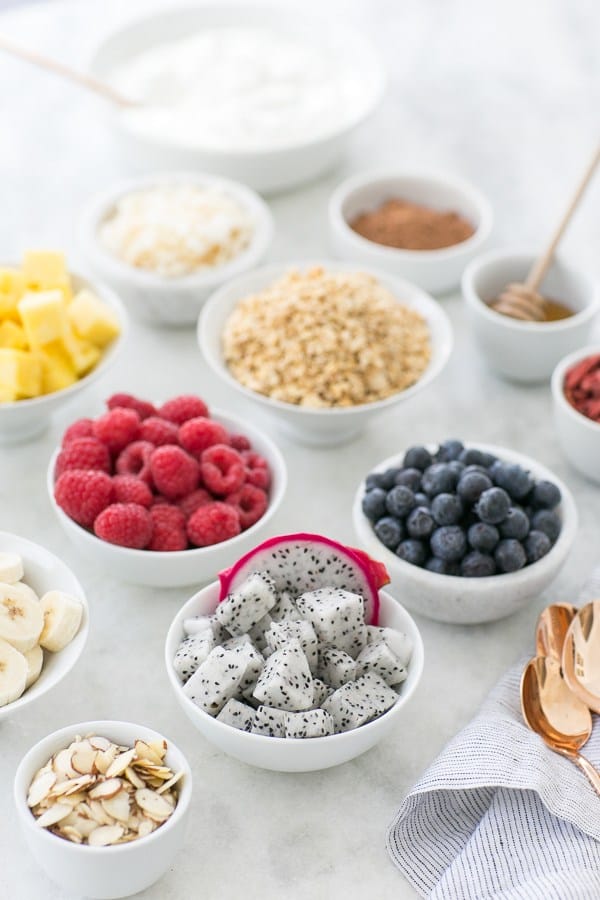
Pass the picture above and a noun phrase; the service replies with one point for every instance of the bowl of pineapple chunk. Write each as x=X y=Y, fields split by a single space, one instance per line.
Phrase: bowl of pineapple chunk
x=58 y=333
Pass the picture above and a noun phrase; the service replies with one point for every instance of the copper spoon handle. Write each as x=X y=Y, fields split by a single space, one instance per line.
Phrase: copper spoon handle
x=592 y=774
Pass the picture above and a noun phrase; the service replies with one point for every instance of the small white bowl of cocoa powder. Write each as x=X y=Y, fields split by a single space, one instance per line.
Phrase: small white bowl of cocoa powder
x=425 y=227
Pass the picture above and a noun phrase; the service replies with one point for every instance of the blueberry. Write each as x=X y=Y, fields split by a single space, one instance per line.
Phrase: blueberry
x=449 y=543
x=400 y=501
x=447 y=509
x=545 y=495
x=474 y=468
x=387 y=479
x=537 y=545
x=372 y=481
x=412 y=552
x=449 y=450
x=442 y=566
x=472 y=485
x=422 y=499
x=417 y=458
x=438 y=479
x=456 y=466
x=483 y=537
x=420 y=523
x=547 y=521
x=472 y=456
x=410 y=478
x=510 y=555
x=389 y=531
x=515 y=480
x=373 y=504
x=493 y=506
x=477 y=565
x=515 y=525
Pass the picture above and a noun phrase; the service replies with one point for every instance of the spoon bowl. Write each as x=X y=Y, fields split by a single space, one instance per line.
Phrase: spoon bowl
x=581 y=655
x=551 y=629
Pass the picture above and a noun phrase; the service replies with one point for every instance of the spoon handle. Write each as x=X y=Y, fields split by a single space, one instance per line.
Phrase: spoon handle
x=588 y=770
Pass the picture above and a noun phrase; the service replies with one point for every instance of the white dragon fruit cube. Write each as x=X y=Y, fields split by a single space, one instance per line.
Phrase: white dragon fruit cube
x=377 y=696
x=398 y=642
x=252 y=660
x=205 y=624
x=337 y=616
x=285 y=608
x=237 y=714
x=310 y=724
x=280 y=633
x=347 y=707
x=286 y=681
x=247 y=605
x=216 y=680
x=320 y=692
x=269 y=721
x=335 y=666
x=192 y=652
x=381 y=659
x=257 y=633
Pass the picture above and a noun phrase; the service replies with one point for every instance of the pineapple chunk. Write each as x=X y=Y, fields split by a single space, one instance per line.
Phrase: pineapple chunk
x=20 y=374
x=45 y=270
x=92 y=319
x=82 y=354
x=12 y=335
x=44 y=317
x=11 y=290
x=58 y=371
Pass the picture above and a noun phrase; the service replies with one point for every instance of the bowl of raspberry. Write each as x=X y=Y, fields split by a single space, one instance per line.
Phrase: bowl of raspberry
x=161 y=494
x=469 y=533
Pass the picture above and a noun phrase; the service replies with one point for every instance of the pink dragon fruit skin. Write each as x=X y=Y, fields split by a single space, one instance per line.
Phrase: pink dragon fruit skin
x=334 y=565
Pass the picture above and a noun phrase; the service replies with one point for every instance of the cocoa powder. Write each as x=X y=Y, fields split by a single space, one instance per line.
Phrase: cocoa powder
x=410 y=226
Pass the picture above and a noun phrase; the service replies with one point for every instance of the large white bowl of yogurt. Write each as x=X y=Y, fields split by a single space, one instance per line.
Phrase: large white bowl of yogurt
x=252 y=93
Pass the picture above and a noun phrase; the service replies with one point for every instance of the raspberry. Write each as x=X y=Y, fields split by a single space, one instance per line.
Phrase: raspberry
x=168 y=528
x=188 y=505
x=127 y=401
x=83 y=453
x=239 y=442
x=198 y=434
x=212 y=524
x=79 y=429
x=126 y=524
x=174 y=472
x=159 y=500
x=135 y=460
x=257 y=470
x=83 y=494
x=159 y=431
x=117 y=429
x=129 y=489
x=250 y=503
x=222 y=469
x=180 y=409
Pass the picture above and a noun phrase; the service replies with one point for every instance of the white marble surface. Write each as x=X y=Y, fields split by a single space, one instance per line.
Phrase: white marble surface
x=505 y=93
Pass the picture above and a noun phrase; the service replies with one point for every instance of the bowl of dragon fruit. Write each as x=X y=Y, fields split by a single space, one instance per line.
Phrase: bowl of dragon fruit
x=163 y=495
x=469 y=533
x=295 y=660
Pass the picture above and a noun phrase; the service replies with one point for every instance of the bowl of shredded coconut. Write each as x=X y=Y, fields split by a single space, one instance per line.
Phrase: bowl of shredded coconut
x=166 y=242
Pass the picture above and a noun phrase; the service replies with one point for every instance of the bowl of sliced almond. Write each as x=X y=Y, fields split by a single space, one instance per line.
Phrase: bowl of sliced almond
x=103 y=806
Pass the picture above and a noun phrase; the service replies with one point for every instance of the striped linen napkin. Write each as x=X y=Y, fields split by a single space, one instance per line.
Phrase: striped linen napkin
x=500 y=815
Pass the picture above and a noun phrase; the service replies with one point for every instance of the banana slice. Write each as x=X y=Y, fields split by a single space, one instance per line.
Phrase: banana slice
x=13 y=673
x=11 y=568
x=62 y=618
x=35 y=661
x=21 y=616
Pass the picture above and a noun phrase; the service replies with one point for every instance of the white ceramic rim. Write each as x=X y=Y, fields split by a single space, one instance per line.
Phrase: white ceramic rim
x=557 y=382
x=418 y=653
x=476 y=302
x=109 y=355
x=361 y=180
x=99 y=726
x=567 y=507
x=274 y=503
x=99 y=207
x=369 y=60
x=432 y=311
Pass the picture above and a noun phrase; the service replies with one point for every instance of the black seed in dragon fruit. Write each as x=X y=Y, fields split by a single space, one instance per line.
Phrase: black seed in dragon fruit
x=398 y=642
x=337 y=616
x=192 y=652
x=280 y=633
x=376 y=695
x=286 y=681
x=237 y=714
x=285 y=608
x=347 y=707
x=252 y=660
x=336 y=667
x=381 y=659
x=247 y=605
x=311 y=724
x=269 y=721
x=320 y=692
x=216 y=680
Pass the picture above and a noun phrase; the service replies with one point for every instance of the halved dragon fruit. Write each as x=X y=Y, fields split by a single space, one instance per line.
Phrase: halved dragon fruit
x=305 y=562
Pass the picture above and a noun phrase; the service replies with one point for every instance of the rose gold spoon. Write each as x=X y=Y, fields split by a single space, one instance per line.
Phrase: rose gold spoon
x=551 y=629
x=581 y=655
x=558 y=716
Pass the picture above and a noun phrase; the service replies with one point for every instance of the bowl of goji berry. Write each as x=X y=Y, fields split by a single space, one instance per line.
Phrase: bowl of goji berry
x=576 y=400
x=162 y=495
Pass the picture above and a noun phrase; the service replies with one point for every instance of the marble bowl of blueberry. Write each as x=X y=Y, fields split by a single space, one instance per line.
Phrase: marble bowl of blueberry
x=469 y=533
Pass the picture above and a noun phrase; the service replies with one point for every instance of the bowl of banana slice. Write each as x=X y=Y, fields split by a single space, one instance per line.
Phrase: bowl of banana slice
x=43 y=621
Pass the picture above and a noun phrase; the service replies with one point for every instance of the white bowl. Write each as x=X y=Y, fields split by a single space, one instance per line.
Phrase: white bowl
x=527 y=351
x=180 y=567
x=321 y=427
x=103 y=872
x=46 y=572
x=22 y=420
x=294 y=754
x=470 y=601
x=264 y=170
x=579 y=436
x=437 y=271
x=171 y=301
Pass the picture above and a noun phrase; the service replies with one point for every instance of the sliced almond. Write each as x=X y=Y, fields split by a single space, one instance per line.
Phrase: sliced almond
x=132 y=776
x=104 y=758
x=144 y=768
x=106 y=789
x=105 y=835
x=159 y=747
x=120 y=763
x=153 y=805
x=40 y=788
x=53 y=815
x=62 y=763
x=146 y=826
x=99 y=814
x=99 y=743
x=84 y=761
x=117 y=806
x=73 y=785
x=82 y=824
x=145 y=751
x=169 y=784
x=70 y=833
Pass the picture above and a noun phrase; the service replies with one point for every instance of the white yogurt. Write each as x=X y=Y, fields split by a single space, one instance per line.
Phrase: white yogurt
x=247 y=88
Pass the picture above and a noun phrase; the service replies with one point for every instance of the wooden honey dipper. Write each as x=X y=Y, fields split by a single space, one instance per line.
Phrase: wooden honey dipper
x=523 y=300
